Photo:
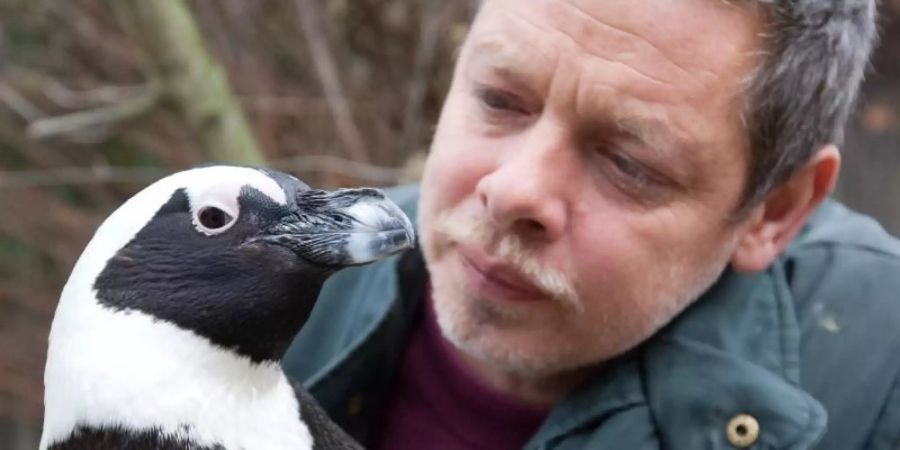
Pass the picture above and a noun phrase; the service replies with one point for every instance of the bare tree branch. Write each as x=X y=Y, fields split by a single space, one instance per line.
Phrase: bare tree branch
x=323 y=61
x=331 y=164
x=79 y=175
x=429 y=31
x=93 y=118
x=18 y=103
x=16 y=179
x=190 y=77
x=68 y=98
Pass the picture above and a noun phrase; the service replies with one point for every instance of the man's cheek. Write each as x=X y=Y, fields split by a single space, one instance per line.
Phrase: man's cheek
x=451 y=186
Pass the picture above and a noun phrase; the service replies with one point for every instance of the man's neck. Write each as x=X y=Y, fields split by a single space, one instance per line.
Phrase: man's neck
x=536 y=389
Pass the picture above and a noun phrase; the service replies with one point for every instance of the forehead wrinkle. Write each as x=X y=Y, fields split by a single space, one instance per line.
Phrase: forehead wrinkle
x=741 y=26
x=572 y=37
x=621 y=31
x=646 y=76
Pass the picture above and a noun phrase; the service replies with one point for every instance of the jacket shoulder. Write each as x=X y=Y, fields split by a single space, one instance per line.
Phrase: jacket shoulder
x=836 y=225
x=844 y=274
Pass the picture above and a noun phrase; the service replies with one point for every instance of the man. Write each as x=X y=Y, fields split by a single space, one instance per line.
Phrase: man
x=627 y=243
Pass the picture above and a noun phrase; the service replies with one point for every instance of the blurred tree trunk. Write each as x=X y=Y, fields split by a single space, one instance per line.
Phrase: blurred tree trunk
x=193 y=82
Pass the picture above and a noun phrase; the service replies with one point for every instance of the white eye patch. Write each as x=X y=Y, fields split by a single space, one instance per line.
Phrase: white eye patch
x=213 y=196
x=212 y=217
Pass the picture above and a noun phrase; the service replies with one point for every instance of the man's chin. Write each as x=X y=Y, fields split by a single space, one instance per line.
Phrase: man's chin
x=497 y=340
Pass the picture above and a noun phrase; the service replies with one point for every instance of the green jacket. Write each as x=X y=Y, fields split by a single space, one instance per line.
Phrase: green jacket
x=810 y=348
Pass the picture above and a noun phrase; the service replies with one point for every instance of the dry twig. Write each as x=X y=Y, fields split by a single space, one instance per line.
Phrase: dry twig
x=323 y=61
x=104 y=116
x=310 y=164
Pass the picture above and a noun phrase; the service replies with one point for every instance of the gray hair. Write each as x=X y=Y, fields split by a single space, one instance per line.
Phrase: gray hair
x=800 y=96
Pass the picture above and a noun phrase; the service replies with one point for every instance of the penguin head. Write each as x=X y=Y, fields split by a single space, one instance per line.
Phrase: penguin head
x=236 y=255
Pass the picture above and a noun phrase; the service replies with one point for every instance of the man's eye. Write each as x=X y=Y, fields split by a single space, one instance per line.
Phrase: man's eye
x=629 y=168
x=499 y=100
x=496 y=100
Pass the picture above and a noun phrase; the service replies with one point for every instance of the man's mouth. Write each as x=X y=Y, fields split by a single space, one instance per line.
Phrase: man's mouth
x=495 y=279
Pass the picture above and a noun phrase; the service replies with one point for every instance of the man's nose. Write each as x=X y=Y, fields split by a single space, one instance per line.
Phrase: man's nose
x=525 y=193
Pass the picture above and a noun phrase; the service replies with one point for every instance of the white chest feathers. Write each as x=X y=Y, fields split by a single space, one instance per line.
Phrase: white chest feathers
x=128 y=369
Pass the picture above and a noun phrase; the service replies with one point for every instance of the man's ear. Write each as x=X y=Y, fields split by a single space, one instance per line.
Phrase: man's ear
x=772 y=225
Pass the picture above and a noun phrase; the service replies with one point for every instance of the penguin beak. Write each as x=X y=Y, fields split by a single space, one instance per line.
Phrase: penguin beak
x=343 y=228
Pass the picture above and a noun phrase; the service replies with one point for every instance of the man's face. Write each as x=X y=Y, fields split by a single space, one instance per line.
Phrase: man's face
x=583 y=174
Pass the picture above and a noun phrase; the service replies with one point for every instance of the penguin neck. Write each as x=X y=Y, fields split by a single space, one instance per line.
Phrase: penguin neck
x=132 y=370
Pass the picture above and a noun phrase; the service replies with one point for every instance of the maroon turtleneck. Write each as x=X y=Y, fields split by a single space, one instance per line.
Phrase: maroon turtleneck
x=439 y=404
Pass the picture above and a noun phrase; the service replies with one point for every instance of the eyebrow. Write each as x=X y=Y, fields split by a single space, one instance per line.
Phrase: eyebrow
x=650 y=132
x=656 y=137
x=512 y=62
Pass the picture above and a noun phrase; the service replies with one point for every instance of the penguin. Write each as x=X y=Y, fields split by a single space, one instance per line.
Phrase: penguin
x=171 y=327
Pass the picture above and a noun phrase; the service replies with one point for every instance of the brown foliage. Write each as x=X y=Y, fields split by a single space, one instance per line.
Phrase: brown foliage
x=322 y=82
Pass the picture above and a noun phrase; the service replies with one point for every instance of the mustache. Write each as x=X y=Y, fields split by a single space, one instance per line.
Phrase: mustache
x=513 y=250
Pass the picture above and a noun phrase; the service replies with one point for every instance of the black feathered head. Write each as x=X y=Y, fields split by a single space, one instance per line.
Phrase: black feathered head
x=236 y=255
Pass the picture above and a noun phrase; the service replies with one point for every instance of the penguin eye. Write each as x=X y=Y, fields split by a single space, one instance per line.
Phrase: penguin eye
x=213 y=220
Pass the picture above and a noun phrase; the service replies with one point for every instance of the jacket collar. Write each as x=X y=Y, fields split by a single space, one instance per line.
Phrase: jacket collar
x=734 y=351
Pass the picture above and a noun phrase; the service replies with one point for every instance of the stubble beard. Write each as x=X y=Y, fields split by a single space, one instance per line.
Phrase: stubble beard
x=472 y=323
x=477 y=326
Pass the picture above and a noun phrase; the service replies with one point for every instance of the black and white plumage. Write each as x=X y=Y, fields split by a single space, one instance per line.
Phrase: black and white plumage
x=170 y=329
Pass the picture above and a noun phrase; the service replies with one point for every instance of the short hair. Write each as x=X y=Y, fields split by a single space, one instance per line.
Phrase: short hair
x=799 y=98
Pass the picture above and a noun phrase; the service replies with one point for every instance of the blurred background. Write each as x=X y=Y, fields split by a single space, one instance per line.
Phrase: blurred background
x=98 y=98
